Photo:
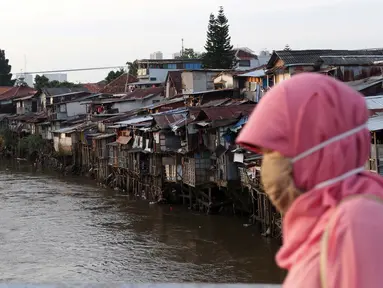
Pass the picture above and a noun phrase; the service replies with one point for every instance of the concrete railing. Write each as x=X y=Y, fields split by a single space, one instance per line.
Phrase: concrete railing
x=175 y=285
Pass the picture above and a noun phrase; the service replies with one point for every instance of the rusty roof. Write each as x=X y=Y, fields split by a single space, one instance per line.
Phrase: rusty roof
x=165 y=120
x=124 y=139
x=118 y=85
x=176 y=78
x=4 y=89
x=17 y=92
x=228 y=112
x=143 y=93
x=93 y=87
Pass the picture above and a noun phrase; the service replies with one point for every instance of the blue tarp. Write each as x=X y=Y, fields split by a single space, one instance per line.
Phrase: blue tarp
x=239 y=124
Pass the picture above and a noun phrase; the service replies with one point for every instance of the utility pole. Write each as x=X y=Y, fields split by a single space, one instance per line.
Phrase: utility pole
x=182 y=49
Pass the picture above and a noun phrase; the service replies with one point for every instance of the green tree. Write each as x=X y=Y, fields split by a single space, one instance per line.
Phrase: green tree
x=114 y=75
x=5 y=71
x=133 y=68
x=189 y=54
x=219 y=51
x=43 y=82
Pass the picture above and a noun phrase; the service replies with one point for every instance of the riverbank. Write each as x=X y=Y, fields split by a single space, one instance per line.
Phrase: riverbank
x=147 y=180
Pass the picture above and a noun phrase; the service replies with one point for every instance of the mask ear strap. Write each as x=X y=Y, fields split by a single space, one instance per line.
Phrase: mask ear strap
x=339 y=178
x=328 y=142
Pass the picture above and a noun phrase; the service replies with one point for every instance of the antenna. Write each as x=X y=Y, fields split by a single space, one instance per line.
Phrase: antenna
x=25 y=63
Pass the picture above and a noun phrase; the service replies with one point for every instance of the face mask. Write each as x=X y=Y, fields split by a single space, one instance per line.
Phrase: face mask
x=277 y=180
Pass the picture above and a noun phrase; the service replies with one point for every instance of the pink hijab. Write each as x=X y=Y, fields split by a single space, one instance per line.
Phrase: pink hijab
x=293 y=117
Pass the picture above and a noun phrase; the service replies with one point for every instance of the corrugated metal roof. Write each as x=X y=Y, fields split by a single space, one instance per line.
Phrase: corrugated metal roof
x=255 y=73
x=375 y=123
x=165 y=120
x=104 y=136
x=228 y=112
x=351 y=60
x=217 y=102
x=65 y=130
x=365 y=83
x=63 y=90
x=311 y=57
x=124 y=140
x=374 y=102
x=135 y=120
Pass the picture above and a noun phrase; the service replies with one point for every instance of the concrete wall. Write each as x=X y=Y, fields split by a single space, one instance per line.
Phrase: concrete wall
x=62 y=141
x=131 y=105
x=187 y=80
x=227 y=78
x=197 y=81
x=74 y=108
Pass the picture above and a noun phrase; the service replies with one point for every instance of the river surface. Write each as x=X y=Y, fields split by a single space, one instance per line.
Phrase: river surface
x=55 y=229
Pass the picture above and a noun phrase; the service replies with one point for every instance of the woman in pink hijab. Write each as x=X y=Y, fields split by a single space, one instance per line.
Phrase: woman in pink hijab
x=312 y=130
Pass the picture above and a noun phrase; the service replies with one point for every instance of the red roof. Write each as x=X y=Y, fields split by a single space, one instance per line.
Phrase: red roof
x=118 y=85
x=5 y=88
x=228 y=112
x=176 y=79
x=142 y=93
x=17 y=92
x=93 y=87
x=164 y=120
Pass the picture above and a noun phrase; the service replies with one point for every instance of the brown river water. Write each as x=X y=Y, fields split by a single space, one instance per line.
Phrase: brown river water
x=56 y=229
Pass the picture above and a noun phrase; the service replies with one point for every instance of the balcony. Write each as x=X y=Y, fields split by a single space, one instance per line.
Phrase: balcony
x=58 y=116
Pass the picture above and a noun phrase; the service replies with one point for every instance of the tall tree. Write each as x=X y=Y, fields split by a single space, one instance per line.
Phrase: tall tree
x=133 y=68
x=219 y=51
x=5 y=71
x=114 y=75
x=189 y=53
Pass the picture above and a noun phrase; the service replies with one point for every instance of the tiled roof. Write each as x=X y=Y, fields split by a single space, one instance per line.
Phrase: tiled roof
x=17 y=92
x=63 y=90
x=143 y=93
x=5 y=88
x=311 y=57
x=118 y=85
x=350 y=60
x=93 y=87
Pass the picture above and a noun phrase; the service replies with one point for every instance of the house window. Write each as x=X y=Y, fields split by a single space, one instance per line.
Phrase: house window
x=63 y=108
x=244 y=63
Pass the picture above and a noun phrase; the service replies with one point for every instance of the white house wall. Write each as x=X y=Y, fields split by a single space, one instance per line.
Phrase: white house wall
x=187 y=81
x=254 y=63
x=197 y=81
x=74 y=108
x=229 y=82
x=131 y=105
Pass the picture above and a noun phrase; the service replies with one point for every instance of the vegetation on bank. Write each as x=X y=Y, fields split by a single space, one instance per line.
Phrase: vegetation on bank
x=29 y=146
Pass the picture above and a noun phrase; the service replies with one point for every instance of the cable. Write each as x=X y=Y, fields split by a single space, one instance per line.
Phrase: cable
x=72 y=70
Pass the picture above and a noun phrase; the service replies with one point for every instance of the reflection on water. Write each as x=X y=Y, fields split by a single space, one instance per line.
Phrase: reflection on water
x=54 y=230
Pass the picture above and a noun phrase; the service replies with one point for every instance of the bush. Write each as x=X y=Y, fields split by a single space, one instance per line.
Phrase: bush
x=31 y=144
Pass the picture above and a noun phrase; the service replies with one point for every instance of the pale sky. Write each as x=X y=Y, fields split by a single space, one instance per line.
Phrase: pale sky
x=67 y=34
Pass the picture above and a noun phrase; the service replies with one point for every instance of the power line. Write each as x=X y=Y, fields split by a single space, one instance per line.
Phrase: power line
x=73 y=70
